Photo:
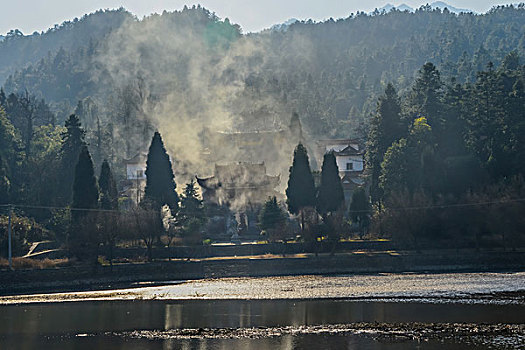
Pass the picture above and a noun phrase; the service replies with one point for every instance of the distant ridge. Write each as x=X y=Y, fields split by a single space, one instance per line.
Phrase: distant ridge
x=442 y=5
x=437 y=4
x=281 y=27
x=402 y=7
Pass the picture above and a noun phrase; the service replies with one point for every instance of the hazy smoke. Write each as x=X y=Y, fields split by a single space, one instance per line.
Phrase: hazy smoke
x=191 y=75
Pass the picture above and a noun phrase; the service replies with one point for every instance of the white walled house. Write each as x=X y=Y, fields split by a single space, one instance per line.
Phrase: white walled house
x=349 y=163
x=135 y=183
x=349 y=156
x=136 y=167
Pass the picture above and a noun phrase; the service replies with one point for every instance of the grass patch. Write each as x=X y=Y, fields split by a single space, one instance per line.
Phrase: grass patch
x=37 y=264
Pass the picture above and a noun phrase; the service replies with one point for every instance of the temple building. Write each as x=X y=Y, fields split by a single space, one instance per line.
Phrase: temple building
x=273 y=146
x=234 y=195
x=239 y=185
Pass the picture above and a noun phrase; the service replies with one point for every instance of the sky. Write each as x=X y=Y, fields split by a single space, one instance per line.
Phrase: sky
x=251 y=15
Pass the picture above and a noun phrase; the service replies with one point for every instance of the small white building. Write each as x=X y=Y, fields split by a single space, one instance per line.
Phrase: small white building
x=135 y=183
x=136 y=167
x=349 y=156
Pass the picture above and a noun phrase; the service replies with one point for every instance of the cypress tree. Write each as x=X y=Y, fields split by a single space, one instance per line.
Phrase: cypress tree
x=83 y=236
x=72 y=143
x=330 y=196
x=160 y=183
x=108 y=188
x=85 y=190
x=108 y=221
x=300 y=192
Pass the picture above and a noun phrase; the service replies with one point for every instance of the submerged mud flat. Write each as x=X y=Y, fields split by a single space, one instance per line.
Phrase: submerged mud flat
x=369 y=336
x=500 y=335
x=465 y=287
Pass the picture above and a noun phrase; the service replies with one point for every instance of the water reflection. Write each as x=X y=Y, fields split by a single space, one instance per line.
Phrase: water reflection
x=270 y=313
x=36 y=326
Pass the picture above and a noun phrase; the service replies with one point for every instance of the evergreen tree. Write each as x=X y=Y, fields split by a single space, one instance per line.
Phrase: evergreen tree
x=84 y=236
x=271 y=217
x=85 y=190
x=108 y=188
x=191 y=206
x=160 y=183
x=8 y=143
x=330 y=196
x=426 y=96
x=72 y=143
x=4 y=183
x=108 y=222
x=409 y=164
x=395 y=168
x=301 y=191
x=360 y=209
x=386 y=127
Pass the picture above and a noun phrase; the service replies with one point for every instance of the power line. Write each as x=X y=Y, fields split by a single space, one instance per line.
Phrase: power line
x=435 y=206
x=24 y=206
x=445 y=206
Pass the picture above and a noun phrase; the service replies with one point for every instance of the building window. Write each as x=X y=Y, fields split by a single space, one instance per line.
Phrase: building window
x=349 y=166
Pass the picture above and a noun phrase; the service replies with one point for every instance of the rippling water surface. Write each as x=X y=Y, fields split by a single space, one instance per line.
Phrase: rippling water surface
x=131 y=323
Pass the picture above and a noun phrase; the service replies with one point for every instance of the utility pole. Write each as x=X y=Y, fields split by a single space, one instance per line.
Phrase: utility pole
x=9 y=251
x=138 y=186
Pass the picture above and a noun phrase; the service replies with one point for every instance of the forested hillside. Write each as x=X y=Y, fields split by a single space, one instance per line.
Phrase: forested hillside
x=18 y=50
x=330 y=72
x=439 y=98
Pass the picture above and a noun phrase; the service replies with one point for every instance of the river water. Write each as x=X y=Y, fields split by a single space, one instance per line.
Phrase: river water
x=200 y=319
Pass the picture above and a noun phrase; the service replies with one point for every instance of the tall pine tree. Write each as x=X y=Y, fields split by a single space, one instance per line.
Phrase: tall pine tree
x=330 y=196
x=160 y=183
x=271 y=218
x=301 y=188
x=85 y=190
x=72 y=143
x=386 y=127
x=83 y=236
x=191 y=206
x=108 y=188
x=426 y=96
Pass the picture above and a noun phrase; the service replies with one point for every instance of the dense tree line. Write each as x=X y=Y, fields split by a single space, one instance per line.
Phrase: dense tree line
x=449 y=149
x=438 y=147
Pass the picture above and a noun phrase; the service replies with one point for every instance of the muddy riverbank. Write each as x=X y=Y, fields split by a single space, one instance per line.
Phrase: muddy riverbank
x=86 y=278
